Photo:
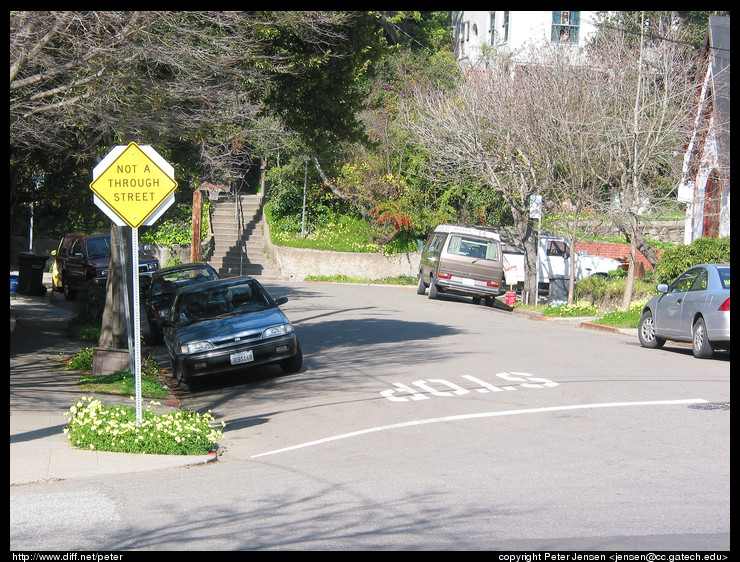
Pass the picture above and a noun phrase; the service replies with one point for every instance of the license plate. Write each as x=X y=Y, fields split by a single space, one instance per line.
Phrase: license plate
x=468 y=282
x=242 y=357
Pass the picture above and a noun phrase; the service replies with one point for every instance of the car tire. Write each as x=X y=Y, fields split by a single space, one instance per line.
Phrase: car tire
x=184 y=382
x=154 y=335
x=646 y=332
x=421 y=288
x=432 y=289
x=69 y=293
x=293 y=364
x=700 y=343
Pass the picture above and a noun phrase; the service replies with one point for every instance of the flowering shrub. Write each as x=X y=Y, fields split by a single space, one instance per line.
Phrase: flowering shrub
x=581 y=308
x=639 y=304
x=95 y=426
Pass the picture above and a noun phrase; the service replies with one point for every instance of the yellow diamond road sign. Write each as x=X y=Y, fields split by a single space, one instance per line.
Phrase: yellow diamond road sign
x=133 y=182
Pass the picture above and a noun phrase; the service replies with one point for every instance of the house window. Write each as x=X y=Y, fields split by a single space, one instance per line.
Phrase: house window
x=492 y=28
x=565 y=26
x=464 y=37
x=506 y=26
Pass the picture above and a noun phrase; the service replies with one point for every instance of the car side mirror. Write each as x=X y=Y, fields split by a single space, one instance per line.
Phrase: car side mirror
x=662 y=288
x=281 y=301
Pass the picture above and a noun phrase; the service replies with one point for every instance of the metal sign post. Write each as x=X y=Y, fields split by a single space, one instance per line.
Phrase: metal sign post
x=137 y=327
x=133 y=185
x=535 y=211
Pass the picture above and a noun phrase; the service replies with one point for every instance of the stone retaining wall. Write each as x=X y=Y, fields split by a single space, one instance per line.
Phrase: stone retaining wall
x=298 y=263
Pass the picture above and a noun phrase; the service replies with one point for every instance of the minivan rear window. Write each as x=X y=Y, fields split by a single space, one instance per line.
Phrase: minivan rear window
x=473 y=247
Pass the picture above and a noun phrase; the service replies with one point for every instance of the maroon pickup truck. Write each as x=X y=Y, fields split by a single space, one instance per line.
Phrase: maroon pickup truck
x=82 y=258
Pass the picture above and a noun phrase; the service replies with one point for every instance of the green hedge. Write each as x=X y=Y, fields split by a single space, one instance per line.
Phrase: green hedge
x=677 y=259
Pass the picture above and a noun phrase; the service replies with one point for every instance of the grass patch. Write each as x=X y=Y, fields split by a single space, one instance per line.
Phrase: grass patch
x=95 y=426
x=400 y=280
x=620 y=319
x=340 y=233
x=122 y=383
x=571 y=310
x=80 y=329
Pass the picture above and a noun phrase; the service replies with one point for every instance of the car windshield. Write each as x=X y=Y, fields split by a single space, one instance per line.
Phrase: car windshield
x=238 y=298
x=168 y=283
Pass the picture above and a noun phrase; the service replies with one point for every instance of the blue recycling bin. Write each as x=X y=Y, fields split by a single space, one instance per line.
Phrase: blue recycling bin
x=31 y=273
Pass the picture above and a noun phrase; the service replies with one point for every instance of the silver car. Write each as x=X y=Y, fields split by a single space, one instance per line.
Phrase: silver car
x=228 y=325
x=694 y=308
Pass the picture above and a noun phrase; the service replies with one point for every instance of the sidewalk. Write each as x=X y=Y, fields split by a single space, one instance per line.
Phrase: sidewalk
x=577 y=322
x=41 y=392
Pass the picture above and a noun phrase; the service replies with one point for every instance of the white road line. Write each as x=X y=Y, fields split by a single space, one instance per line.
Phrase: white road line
x=481 y=415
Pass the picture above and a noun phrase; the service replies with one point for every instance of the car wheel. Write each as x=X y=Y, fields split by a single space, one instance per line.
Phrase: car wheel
x=432 y=289
x=154 y=335
x=421 y=287
x=700 y=343
x=184 y=382
x=69 y=293
x=646 y=332
x=293 y=364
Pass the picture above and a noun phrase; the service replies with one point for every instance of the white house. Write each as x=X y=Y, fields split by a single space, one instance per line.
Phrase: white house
x=478 y=33
x=705 y=186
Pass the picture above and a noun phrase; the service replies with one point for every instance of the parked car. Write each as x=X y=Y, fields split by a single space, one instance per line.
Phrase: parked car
x=165 y=282
x=694 y=308
x=554 y=254
x=82 y=258
x=462 y=260
x=228 y=325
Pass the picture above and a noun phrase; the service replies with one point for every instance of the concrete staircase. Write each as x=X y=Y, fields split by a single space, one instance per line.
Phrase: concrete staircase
x=239 y=238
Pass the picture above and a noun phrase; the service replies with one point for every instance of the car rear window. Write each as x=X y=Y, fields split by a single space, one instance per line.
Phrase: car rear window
x=724 y=276
x=170 y=282
x=98 y=247
x=473 y=247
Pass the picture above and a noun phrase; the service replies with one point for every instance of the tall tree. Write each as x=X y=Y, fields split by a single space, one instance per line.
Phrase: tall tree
x=649 y=84
x=486 y=129
x=81 y=82
x=604 y=132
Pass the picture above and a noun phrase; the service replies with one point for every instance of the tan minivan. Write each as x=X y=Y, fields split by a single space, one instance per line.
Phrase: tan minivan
x=462 y=260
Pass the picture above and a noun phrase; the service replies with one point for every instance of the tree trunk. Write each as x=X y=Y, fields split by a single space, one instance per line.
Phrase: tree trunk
x=631 y=267
x=113 y=332
x=524 y=227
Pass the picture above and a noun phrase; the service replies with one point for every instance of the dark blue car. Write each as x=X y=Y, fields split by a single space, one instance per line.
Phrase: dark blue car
x=228 y=325
x=164 y=285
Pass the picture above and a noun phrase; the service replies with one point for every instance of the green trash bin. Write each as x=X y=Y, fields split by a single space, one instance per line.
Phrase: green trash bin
x=31 y=273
